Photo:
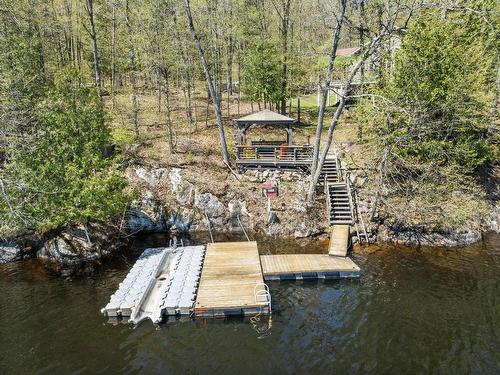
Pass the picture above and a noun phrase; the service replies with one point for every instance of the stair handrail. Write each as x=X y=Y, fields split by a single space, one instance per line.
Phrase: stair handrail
x=359 y=217
x=348 y=185
x=328 y=203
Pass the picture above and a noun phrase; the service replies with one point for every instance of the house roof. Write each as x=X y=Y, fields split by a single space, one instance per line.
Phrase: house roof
x=350 y=51
x=266 y=117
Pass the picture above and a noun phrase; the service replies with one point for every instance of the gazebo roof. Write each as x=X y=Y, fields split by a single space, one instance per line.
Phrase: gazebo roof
x=265 y=117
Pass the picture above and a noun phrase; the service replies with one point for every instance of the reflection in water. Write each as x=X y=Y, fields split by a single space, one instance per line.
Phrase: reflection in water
x=412 y=311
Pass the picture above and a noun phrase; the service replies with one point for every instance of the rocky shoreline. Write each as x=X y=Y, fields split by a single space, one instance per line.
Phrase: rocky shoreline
x=170 y=203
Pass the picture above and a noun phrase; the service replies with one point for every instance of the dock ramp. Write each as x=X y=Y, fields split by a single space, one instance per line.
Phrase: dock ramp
x=339 y=241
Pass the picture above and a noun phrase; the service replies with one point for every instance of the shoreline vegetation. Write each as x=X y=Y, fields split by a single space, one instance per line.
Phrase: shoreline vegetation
x=103 y=138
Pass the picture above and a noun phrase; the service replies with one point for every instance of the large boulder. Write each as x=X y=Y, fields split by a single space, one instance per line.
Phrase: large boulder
x=10 y=252
x=237 y=212
x=181 y=221
x=418 y=237
x=146 y=215
x=76 y=247
x=212 y=207
x=183 y=190
x=494 y=219
x=151 y=176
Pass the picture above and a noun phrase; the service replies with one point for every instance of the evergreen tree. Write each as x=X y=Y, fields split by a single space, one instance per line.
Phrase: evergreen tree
x=57 y=174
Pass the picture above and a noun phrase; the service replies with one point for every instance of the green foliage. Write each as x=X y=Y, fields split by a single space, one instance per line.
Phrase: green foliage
x=190 y=158
x=123 y=138
x=58 y=175
x=438 y=105
x=261 y=76
x=431 y=123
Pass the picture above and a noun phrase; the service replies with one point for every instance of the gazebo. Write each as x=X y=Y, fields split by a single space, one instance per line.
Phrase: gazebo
x=269 y=153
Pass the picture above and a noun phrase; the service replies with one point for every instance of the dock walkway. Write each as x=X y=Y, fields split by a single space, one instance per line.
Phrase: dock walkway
x=307 y=266
x=231 y=281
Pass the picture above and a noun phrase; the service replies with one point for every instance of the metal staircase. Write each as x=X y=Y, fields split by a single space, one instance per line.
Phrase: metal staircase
x=340 y=197
x=331 y=171
x=339 y=203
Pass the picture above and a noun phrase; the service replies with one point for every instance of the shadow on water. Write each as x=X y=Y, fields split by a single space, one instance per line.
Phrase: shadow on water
x=412 y=311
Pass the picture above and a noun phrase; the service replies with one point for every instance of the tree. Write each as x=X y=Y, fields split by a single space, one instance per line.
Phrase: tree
x=133 y=67
x=261 y=76
x=60 y=176
x=89 y=8
x=431 y=117
x=208 y=79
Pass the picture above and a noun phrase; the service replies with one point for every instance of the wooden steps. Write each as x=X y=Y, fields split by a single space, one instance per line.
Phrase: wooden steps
x=339 y=240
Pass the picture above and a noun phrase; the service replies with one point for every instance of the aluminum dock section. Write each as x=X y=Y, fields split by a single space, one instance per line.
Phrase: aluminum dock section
x=307 y=266
x=163 y=281
x=232 y=282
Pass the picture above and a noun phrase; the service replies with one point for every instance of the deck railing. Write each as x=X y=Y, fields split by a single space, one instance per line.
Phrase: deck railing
x=264 y=152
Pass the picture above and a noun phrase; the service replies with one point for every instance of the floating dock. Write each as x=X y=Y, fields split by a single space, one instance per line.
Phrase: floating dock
x=339 y=241
x=307 y=266
x=163 y=281
x=218 y=280
x=231 y=281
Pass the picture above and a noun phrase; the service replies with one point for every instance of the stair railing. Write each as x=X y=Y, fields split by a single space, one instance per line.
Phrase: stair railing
x=357 y=217
x=328 y=203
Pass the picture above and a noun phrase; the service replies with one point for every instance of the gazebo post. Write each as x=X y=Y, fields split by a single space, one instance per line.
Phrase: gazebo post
x=289 y=134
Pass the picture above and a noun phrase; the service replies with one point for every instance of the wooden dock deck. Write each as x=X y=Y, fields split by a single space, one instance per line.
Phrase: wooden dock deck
x=231 y=281
x=339 y=241
x=307 y=266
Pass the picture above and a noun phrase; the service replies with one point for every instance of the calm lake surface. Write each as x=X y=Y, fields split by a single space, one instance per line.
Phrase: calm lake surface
x=413 y=311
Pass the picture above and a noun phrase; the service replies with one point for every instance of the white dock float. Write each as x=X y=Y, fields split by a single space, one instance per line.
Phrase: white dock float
x=162 y=281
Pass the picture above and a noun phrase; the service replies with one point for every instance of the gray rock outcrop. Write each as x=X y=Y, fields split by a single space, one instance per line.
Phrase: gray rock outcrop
x=146 y=215
x=10 y=252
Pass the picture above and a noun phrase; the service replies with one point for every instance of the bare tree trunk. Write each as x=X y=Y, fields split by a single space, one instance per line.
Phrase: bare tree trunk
x=285 y=25
x=208 y=78
x=186 y=71
x=494 y=112
x=336 y=117
x=325 y=88
x=158 y=87
x=113 y=53
x=362 y=27
x=135 y=103
x=89 y=8
x=171 y=144
x=379 y=183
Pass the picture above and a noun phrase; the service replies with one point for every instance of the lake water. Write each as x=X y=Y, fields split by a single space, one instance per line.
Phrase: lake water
x=412 y=311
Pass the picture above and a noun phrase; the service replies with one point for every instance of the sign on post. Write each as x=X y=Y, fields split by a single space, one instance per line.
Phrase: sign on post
x=269 y=190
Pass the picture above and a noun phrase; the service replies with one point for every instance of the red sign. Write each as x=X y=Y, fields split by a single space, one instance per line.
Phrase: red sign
x=269 y=190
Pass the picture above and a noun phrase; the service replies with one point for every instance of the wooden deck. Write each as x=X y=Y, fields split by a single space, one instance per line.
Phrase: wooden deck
x=230 y=277
x=307 y=266
x=339 y=240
